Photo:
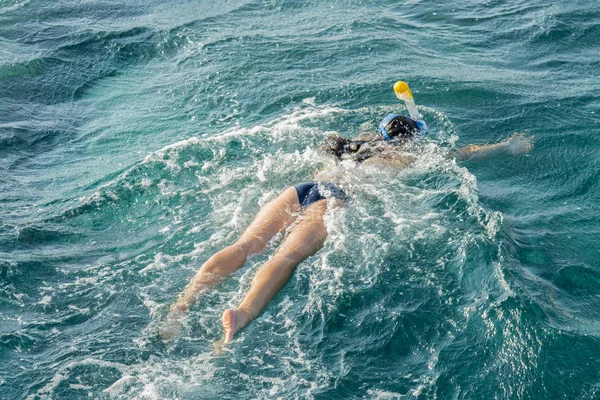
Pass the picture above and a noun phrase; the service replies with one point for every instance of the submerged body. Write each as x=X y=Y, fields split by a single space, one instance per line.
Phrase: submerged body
x=299 y=211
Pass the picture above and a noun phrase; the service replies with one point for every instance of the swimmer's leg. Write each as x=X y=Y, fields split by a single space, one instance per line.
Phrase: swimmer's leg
x=275 y=217
x=305 y=238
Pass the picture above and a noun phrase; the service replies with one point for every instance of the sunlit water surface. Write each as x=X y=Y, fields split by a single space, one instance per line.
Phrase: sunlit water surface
x=138 y=139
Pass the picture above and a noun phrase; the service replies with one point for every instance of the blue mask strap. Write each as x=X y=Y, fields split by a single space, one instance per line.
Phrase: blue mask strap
x=422 y=126
x=381 y=128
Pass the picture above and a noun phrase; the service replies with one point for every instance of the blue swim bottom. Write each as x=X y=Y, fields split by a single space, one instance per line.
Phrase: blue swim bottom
x=311 y=192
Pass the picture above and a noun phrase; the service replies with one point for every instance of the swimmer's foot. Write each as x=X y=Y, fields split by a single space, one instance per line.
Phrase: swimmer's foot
x=170 y=330
x=233 y=320
x=172 y=325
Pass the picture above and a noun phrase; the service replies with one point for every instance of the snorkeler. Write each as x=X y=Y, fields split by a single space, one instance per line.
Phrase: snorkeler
x=299 y=211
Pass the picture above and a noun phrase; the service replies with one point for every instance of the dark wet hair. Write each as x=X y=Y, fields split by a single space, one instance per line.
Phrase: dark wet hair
x=343 y=148
x=398 y=126
x=335 y=145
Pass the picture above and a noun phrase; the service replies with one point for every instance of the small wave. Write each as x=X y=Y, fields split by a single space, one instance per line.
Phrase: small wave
x=16 y=4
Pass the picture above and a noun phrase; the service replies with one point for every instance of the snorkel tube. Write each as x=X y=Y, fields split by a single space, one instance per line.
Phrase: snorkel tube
x=403 y=93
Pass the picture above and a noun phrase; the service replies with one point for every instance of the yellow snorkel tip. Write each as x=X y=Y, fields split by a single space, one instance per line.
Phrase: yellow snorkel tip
x=402 y=90
x=404 y=94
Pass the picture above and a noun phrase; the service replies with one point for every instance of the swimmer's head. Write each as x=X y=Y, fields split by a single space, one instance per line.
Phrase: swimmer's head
x=399 y=126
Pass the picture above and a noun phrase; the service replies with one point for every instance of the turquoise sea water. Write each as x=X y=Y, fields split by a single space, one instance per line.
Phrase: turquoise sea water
x=137 y=138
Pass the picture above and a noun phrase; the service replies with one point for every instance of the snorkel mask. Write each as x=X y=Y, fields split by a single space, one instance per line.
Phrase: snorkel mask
x=395 y=125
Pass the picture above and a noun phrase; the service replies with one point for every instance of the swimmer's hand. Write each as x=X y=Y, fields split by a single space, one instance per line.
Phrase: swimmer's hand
x=518 y=143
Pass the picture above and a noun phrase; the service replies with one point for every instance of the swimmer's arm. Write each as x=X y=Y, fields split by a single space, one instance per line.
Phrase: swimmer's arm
x=518 y=143
x=391 y=158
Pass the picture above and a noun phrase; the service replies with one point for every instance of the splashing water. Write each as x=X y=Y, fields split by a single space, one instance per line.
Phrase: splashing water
x=138 y=138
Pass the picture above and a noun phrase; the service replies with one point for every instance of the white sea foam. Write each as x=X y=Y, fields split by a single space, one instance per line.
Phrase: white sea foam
x=156 y=378
x=65 y=372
